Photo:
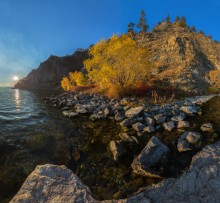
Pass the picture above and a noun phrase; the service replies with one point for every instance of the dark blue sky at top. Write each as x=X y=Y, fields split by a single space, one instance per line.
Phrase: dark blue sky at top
x=32 y=30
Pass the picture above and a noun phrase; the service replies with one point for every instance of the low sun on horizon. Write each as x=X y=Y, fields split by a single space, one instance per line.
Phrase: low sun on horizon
x=15 y=78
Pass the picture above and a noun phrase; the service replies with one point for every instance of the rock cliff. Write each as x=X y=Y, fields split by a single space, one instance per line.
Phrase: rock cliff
x=201 y=183
x=50 y=72
x=182 y=57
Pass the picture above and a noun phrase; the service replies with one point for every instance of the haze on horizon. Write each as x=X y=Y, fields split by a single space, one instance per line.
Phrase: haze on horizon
x=31 y=31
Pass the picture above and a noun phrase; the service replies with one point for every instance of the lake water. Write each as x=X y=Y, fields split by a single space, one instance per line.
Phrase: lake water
x=33 y=133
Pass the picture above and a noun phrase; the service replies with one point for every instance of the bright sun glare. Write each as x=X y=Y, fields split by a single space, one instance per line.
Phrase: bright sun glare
x=15 y=78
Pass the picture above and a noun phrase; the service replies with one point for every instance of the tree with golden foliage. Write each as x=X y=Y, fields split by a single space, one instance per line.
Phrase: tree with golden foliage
x=117 y=64
x=65 y=84
x=75 y=79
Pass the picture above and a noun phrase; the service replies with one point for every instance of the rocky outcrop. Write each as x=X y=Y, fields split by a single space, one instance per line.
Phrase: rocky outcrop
x=182 y=58
x=49 y=74
x=201 y=183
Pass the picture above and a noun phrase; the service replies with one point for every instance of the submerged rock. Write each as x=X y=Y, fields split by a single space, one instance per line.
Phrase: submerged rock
x=117 y=150
x=152 y=161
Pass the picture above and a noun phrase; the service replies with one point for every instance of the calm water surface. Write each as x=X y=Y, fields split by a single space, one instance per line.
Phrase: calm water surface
x=32 y=133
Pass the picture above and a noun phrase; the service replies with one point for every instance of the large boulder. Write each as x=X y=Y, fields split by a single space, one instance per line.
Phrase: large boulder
x=152 y=161
x=50 y=183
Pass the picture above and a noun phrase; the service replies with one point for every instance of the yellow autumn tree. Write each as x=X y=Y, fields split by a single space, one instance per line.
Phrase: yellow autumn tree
x=75 y=79
x=117 y=64
x=65 y=84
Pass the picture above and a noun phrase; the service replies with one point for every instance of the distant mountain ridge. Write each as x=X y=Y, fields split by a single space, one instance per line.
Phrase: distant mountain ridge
x=182 y=58
x=50 y=72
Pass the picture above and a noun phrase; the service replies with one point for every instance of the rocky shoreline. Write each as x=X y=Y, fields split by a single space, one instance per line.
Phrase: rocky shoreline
x=140 y=122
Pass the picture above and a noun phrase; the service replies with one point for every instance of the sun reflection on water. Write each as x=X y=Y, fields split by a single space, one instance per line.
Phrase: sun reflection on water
x=17 y=99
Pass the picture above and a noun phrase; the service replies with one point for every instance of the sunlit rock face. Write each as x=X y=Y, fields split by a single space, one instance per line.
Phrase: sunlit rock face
x=201 y=183
x=50 y=72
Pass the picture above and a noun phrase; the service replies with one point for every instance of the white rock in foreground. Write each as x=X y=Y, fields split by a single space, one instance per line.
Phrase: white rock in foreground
x=50 y=183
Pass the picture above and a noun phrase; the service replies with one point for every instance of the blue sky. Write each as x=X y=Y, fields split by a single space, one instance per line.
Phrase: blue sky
x=32 y=30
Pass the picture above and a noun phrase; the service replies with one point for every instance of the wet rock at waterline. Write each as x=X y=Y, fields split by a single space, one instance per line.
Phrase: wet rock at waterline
x=152 y=161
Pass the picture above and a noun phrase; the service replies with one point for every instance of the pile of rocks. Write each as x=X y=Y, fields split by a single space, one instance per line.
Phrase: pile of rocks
x=138 y=119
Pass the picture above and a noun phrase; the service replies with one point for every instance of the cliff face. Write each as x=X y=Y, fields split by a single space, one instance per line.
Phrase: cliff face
x=182 y=58
x=50 y=73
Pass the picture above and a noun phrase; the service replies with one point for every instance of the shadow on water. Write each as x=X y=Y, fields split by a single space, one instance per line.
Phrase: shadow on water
x=81 y=145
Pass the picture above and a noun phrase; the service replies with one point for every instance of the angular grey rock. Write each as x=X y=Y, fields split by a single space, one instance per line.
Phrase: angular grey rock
x=187 y=140
x=138 y=126
x=193 y=137
x=184 y=146
x=149 y=121
x=70 y=114
x=169 y=125
x=117 y=150
x=189 y=109
x=137 y=111
x=183 y=124
x=151 y=162
x=50 y=183
x=178 y=118
x=129 y=121
x=149 y=129
x=207 y=127
x=160 y=118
